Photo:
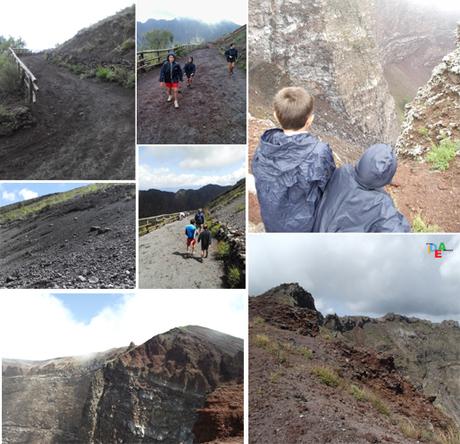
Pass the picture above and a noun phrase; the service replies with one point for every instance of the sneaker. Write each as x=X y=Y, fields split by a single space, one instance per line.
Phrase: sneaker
x=176 y=104
x=169 y=99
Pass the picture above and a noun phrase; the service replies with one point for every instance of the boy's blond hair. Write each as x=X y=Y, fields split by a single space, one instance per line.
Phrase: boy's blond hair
x=293 y=106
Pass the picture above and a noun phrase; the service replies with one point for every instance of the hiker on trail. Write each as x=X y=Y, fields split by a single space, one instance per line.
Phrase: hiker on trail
x=190 y=233
x=232 y=57
x=205 y=239
x=170 y=76
x=291 y=167
x=190 y=69
x=355 y=201
x=199 y=219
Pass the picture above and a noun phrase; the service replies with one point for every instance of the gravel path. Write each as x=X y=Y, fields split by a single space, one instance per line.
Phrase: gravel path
x=162 y=261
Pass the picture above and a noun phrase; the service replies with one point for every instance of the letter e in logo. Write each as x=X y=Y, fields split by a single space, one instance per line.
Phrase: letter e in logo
x=438 y=254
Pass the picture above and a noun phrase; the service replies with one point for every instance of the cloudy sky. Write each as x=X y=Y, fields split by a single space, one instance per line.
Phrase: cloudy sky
x=170 y=169
x=362 y=274
x=11 y=192
x=210 y=11
x=43 y=24
x=45 y=325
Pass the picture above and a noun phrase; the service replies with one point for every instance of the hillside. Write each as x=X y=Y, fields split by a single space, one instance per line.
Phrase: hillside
x=154 y=202
x=186 y=30
x=109 y=43
x=84 y=238
x=164 y=389
x=238 y=38
x=316 y=379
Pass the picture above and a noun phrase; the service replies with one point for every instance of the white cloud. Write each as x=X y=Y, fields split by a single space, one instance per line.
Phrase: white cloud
x=215 y=157
x=163 y=178
x=10 y=197
x=39 y=326
x=27 y=194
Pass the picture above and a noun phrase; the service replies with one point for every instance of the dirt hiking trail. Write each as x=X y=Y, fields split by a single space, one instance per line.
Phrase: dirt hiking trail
x=163 y=263
x=84 y=129
x=212 y=111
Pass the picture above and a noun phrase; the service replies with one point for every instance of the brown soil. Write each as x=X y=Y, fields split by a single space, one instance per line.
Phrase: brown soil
x=213 y=111
x=84 y=130
x=222 y=417
x=419 y=190
x=289 y=403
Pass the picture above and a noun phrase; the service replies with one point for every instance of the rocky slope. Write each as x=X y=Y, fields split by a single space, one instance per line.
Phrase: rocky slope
x=84 y=238
x=311 y=382
x=434 y=114
x=108 y=43
x=160 y=391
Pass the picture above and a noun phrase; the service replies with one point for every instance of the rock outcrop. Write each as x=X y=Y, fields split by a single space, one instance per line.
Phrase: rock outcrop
x=155 y=392
x=434 y=114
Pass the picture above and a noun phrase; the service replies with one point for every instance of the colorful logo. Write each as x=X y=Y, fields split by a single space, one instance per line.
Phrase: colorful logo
x=438 y=250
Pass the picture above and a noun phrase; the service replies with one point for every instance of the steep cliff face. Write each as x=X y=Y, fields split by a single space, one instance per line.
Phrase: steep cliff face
x=328 y=47
x=434 y=114
x=427 y=353
x=150 y=393
x=412 y=38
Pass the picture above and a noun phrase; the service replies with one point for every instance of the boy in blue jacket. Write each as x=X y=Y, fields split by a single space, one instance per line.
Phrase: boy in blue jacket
x=170 y=76
x=291 y=167
x=355 y=200
x=190 y=69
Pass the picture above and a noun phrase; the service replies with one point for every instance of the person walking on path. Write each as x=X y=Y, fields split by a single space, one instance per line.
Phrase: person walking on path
x=190 y=233
x=232 y=56
x=170 y=76
x=190 y=69
x=205 y=239
x=199 y=219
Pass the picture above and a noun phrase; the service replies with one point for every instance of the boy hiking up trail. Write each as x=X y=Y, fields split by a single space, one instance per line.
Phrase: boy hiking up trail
x=190 y=69
x=355 y=201
x=291 y=167
x=190 y=234
x=205 y=239
x=170 y=76
x=232 y=56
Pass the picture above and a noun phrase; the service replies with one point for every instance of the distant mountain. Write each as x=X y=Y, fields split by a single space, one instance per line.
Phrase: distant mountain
x=154 y=202
x=187 y=30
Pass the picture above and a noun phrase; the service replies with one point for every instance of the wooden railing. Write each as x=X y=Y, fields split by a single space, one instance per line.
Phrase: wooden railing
x=153 y=57
x=147 y=224
x=27 y=78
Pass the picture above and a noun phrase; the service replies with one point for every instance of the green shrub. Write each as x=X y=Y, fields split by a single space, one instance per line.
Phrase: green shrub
x=214 y=228
x=358 y=393
x=104 y=73
x=9 y=79
x=440 y=156
x=420 y=226
x=367 y=396
x=223 y=250
x=233 y=276
x=327 y=376
x=128 y=44
x=261 y=341
x=423 y=131
x=258 y=320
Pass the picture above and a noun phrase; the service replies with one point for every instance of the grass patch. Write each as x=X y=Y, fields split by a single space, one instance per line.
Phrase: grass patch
x=361 y=394
x=420 y=226
x=423 y=131
x=327 y=376
x=440 y=156
x=261 y=341
x=214 y=228
x=233 y=276
x=223 y=250
x=26 y=208
x=325 y=333
x=121 y=75
x=451 y=436
x=258 y=321
x=275 y=376
x=272 y=347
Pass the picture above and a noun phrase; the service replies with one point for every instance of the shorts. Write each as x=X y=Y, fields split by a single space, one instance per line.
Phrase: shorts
x=189 y=75
x=191 y=241
x=230 y=60
x=172 y=85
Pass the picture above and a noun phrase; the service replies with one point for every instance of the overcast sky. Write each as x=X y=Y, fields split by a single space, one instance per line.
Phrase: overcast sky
x=361 y=274
x=43 y=24
x=445 y=5
x=45 y=325
x=169 y=168
x=210 y=11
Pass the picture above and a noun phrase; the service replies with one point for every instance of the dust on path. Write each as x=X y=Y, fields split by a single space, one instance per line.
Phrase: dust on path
x=162 y=261
x=85 y=129
x=213 y=111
